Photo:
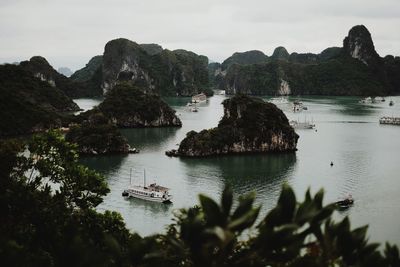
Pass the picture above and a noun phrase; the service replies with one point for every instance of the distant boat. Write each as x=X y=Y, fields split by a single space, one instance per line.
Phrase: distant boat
x=366 y=100
x=298 y=106
x=152 y=192
x=390 y=120
x=199 y=98
x=219 y=92
x=345 y=203
x=380 y=99
x=280 y=100
x=302 y=125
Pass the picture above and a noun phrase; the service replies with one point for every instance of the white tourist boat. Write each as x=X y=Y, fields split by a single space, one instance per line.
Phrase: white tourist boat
x=279 y=100
x=367 y=100
x=390 y=120
x=152 y=192
x=302 y=125
x=200 y=98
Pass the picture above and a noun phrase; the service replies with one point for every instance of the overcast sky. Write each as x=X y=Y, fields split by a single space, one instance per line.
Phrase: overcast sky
x=69 y=32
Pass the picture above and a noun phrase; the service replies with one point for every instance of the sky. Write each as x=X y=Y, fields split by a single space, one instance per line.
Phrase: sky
x=69 y=32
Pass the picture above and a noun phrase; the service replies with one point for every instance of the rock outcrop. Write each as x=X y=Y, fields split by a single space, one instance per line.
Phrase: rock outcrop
x=40 y=68
x=87 y=72
x=28 y=104
x=164 y=72
x=359 y=45
x=280 y=53
x=249 y=125
x=129 y=107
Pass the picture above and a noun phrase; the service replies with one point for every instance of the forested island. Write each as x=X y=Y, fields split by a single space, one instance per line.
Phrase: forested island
x=354 y=69
x=249 y=125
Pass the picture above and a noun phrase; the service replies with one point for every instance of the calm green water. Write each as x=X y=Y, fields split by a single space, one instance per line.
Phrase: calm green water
x=365 y=155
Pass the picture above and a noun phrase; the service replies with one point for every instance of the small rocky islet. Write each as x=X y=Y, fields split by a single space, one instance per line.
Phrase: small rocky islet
x=125 y=106
x=249 y=125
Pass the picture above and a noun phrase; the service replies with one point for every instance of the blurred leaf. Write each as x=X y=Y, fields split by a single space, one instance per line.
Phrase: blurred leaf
x=245 y=221
x=226 y=200
x=211 y=210
x=245 y=205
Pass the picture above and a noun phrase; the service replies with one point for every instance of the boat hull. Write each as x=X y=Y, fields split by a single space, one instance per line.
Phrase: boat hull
x=128 y=194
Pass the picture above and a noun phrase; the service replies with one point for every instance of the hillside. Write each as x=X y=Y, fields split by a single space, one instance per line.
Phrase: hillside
x=28 y=104
x=354 y=69
x=39 y=67
x=162 y=71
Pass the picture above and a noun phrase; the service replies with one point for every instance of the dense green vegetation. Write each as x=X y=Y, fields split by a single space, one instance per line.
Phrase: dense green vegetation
x=97 y=135
x=152 y=49
x=39 y=67
x=244 y=58
x=354 y=69
x=249 y=125
x=164 y=72
x=128 y=106
x=48 y=200
x=86 y=73
x=28 y=104
x=280 y=53
x=337 y=76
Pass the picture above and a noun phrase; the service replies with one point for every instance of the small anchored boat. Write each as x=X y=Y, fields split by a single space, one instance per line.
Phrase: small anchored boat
x=345 y=203
x=152 y=192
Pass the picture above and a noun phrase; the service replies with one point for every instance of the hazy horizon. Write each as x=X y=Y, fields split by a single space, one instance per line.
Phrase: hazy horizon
x=69 y=33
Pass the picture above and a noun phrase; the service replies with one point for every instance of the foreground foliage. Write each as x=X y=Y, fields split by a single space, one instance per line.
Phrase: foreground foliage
x=47 y=203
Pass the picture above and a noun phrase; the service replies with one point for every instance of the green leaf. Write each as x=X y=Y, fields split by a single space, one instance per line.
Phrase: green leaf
x=211 y=210
x=245 y=205
x=245 y=221
x=226 y=200
x=287 y=201
x=319 y=198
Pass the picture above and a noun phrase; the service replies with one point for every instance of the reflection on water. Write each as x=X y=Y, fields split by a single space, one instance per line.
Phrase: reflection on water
x=149 y=138
x=106 y=165
x=365 y=156
x=261 y=173
x=148 y=206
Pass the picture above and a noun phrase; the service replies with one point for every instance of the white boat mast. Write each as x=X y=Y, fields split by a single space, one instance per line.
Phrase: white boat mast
x=130 y=176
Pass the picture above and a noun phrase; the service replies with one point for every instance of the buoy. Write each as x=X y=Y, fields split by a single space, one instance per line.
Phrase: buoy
x=331 y=163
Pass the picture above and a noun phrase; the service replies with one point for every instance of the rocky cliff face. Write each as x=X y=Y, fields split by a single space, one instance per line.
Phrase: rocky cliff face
x=128 y=106
x=40 y=68
x=87 y=72
x=164 y=72
x=358 y=44
x=249 y=125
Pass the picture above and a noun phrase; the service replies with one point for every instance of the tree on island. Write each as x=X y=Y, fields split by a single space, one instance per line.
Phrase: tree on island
x=48 y=200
